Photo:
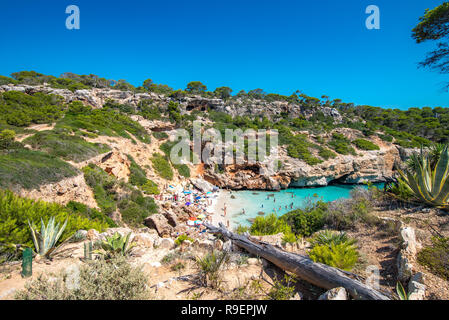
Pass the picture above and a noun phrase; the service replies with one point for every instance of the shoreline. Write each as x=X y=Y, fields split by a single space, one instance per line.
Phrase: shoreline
x=222 y=198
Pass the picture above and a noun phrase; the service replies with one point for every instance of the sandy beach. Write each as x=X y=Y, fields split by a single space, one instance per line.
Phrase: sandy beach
x=224 y=197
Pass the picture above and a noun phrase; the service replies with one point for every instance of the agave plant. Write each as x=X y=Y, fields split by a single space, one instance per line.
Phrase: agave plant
x=429 y=185
x=116 y=245
x=45 y=241
x=402 y=294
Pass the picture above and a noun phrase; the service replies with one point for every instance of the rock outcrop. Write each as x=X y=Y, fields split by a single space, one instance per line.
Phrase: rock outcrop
x=373 y=166
x=160 y=224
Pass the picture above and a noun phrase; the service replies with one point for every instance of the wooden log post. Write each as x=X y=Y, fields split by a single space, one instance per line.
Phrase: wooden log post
x=305 y=268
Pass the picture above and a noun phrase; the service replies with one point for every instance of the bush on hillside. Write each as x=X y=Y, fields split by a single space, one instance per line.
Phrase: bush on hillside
x=326 y=154
x=346 y=214
x=69 y=147
x=269 y=225
x=306 y=221
x=162 y=166
x=343 y=255
x=30 y=169
x=436 y=257
x=363 y=144
x=114 y=279
x=104 y=121
x=102 y=185
x=7 y=140
x=91 y=213
x=21 y=110
x=341 y=144
x=15 y=212
x=133 y=205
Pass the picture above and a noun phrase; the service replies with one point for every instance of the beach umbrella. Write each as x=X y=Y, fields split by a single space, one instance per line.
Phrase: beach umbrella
x=198 y=222
x=197 y=198
x=187 y=192
x=188 y=203
x=190 y=223
x=192 y=218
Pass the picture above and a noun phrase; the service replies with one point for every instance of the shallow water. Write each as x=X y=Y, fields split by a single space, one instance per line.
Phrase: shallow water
x=249 y=204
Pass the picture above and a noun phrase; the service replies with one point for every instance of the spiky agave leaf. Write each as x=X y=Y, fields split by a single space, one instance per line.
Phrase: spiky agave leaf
x=430 y=186
x=401 y=291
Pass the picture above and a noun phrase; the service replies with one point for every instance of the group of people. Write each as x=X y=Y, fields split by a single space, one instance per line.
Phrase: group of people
x=187 y=196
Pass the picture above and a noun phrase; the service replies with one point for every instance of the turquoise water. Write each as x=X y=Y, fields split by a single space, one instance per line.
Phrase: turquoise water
x=254 y=202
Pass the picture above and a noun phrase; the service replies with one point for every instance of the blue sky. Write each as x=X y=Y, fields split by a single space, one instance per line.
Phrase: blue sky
x=316 y=46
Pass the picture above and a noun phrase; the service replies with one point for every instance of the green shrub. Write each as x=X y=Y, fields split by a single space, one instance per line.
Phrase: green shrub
x=326 y=154
x=343 y=255
x=125 y=108
x=148 y=111
x=136 y=209
x=306 y=221
x=160 y=135
x=134 y=206
x=138 y=176
x=348 y=213
x=401 y=190
x=114 y=279
x=69 y=147
x=241 y=229
x=289 y=237
x=30 y=169
x=21 y=110
x=162 y=166
x=105 y=121
x=102 y=185
x=341 y=144
x=436 y=257
x=15 y=212
x=283 y=290
x=269 y=225
x=328 y=237
x=183 y=237
x=183 y=170
x=91 y=213
x=365 y=144
x=385 y=137
x=150 y=187
x=210 y=267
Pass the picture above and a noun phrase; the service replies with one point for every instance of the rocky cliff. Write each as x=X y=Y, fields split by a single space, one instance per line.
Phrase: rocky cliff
x=373 y=166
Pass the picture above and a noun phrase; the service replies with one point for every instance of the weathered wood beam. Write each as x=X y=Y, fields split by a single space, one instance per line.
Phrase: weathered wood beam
x=305 y=268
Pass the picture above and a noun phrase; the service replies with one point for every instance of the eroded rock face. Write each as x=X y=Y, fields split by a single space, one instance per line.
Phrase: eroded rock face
x=160 y=224
x=202 y=185
x=416 y=287
x=73 y=188
x=373 y=166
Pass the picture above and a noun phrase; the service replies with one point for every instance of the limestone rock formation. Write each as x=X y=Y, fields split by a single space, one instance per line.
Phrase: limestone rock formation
x=160 y=224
